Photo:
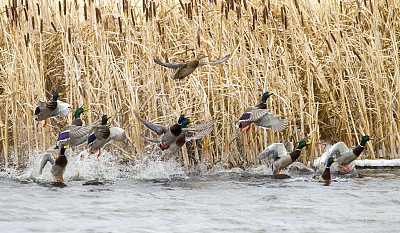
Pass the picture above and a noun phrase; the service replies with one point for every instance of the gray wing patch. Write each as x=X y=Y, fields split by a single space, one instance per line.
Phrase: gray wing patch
x=153 y=140
x=269 y=121
x=201 y=134
x=201 y=126
x=277 y=150
x=158 y=129
x=174 y=65
x=222 y=60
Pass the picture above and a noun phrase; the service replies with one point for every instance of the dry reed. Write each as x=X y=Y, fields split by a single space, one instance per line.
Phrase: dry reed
x=333 y=66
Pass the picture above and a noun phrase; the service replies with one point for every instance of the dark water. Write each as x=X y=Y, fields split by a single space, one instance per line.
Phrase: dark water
x=162 y=197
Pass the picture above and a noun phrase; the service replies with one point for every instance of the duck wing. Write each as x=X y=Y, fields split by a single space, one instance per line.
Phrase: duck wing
x=102 y=132
x=203 y=126
x=63 y=109
x=277 y=150
x=222 y=60
x=46 y=158
x=173 y=65
x=269 y=121
x=199 y=135
x=153 y=140
x=337 y=150
x=158 y=129
x=253 y=114
x=117 y=134
x=51 y=105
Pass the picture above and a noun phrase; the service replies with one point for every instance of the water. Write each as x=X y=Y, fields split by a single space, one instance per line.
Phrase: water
x=100 y=196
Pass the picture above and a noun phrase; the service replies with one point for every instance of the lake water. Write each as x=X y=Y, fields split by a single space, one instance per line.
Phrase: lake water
x=100 y=196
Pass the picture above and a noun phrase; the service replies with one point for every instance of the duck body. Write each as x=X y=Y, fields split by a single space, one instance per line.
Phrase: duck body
x=326 y=174
x=169 y=135
x=51 y=108
x=286 y=160
x=261 y=117
x=74 y=134
x=203 y=130
x=58 y=166
x=345 y=155
x=184 y=69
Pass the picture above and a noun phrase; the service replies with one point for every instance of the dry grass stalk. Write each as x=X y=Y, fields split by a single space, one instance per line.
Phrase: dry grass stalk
x=325 y=95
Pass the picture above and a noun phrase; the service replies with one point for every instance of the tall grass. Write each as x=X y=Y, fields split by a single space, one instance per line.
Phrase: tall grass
x=333 y=66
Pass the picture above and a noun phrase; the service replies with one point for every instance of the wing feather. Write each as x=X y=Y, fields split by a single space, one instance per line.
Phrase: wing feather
x=158 y=129
x=269 y=121
x=174 y=65
x=222 y=60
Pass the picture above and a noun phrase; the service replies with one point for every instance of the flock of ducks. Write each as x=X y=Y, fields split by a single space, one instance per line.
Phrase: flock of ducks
x=98 y=134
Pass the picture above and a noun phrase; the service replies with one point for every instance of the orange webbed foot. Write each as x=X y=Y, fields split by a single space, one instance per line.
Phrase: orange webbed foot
x=37 y=124
x=99 y=153
x=62 y=179
x=247 y=130
x=45 y=123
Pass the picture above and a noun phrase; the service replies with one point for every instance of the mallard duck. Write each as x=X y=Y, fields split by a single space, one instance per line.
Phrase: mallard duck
x=51 y=108
x=204 y=130
x=281 y=157
x=186 y=68
x=101 y=134
x=58 y=166
x=326 y=174
x=344 y=155
x=74 y=134
x=261 y=116
x=170 y=135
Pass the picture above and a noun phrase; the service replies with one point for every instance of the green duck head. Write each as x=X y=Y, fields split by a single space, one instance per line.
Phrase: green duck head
x=56 y=95
x=265 y=96
x=104 y=119
x=303 y=144
x=62 y=149
x=365 y=139
x=79 y=111
x=330 y=161
x=185 y=122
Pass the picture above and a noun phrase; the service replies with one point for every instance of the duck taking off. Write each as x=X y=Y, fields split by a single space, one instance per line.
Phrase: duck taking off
x=58 y=166
x=288 y=158
x=261 y=116
x=51 y=108
x=101 y=134
x=169 y=135
x=186 y=68
x=344 y=155
x=204 y=130
x=74 y=134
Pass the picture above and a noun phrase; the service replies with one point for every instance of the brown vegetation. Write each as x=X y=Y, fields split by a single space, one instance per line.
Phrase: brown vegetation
x=333 y=66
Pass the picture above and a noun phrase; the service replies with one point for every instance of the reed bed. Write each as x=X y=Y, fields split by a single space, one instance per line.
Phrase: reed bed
x=333 y=66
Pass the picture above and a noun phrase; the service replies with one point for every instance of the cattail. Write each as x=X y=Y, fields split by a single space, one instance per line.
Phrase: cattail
x=159 y=28
x=329 y=45
x=120 y=25
x=59 y=7
x=297 y=6
x=365 y=3
x=144 y=6
x=282 y=16
x=133 y=19
x=98 y=15
x=302 y=20
x=65 y=7
x=341 y=34
x=183 y=6
x=147 y=15
x=198 y=38
x=222 y=8
x=366 y=40
x=26 y=40
x=154 y=9
x=33 y=23
x=54 y=26
x=333 y=37
x=358 y=56
x=41 y=25
x=85 y=11
x=8 y=15
x=69 y=35
x=76 y=5
x=341 y=7
x=370 y=5
x=38 y=9
x=26 y=14
x=226 y=12
x=27 y=5
x=245 y=4
x=238 y=12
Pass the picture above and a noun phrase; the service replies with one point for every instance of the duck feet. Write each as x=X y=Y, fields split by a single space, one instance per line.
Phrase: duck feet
x=345 y=168
x=247 y=130
x=54 y=179
x=279 y=171
x=162 y=158
x=163 y=146
x=90 y=152
x=99 y=153
x=45 y=123
x=62 y=179
x=37 y=124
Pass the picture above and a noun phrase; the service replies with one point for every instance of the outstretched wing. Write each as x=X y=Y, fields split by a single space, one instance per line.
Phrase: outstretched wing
x=201 y=126
x=153 y=140
x=269 y=121
x=158 y=129
x=201 y=134
x=338 y=150
x=277 y=150
x=117 y=134
x=222 y=60
x=173 y=65
x=253 y=114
